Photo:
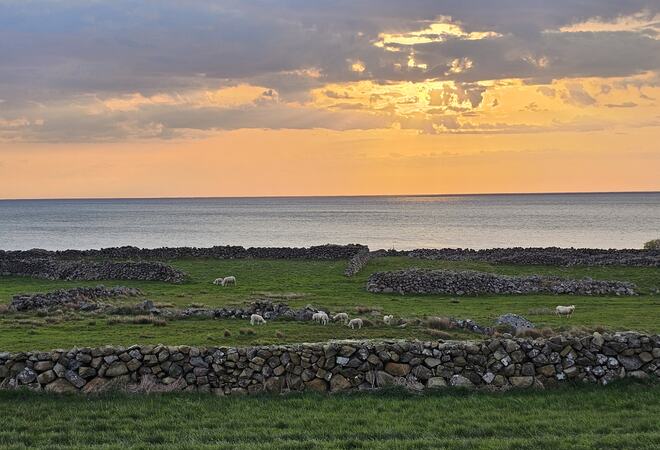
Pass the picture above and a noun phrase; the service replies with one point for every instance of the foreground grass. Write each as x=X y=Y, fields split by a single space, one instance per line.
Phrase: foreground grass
x=622 y=416
x=322 y=284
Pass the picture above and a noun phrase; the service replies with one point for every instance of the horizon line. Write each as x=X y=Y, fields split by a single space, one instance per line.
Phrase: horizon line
x=474 y=194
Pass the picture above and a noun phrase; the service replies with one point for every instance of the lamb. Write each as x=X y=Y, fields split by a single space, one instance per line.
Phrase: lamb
x=341 y=316
x=256 y=319
x=565 y=310
x=388 y=319
x=218 y=281
x=355 y=323
x=320 y=317
x=229 y=280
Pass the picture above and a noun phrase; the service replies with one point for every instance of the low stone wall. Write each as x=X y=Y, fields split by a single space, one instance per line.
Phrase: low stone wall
x=358 y=261
x=548 y=256
x=337 y=366
x=327 y=251
x=425 y=281
x=81 y=298
x=53 y=269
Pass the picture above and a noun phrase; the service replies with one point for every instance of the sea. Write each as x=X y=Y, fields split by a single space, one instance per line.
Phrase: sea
x=596 y=220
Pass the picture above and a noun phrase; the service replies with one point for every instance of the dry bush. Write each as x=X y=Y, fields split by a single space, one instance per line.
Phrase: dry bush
x=529 y=332
x=438 y=323
x=138 y=320
x=543 y=311
x=246 y=331
x=438 y=333
x=281 y=295
x=164 y=305
x=226 y=333
x=197 y=305
x=280 y=334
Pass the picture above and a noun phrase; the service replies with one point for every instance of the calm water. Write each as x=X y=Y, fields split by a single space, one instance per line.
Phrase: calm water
x=579 y=220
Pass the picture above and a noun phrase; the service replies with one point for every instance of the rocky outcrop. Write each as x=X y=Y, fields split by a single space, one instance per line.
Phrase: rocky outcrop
x=548 y=256
x=426 y=281
x=328 y=251
x=81 y=298
x=54 y=269
x=337 y=366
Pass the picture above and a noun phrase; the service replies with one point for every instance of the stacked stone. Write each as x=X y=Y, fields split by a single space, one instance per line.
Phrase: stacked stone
x=425 y=281
x=53 y=269
x=83 y=298
x=549 y=256
x=358 y=261
x=340 y=366
x=324 y=252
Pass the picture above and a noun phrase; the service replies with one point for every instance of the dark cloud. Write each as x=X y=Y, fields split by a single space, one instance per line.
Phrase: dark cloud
x=54 y=52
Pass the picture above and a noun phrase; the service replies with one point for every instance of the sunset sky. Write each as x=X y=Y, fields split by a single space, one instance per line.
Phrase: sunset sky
x=298 y=97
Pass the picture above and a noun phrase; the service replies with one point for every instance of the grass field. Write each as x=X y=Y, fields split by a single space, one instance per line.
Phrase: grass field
x=322 y=284
x=621 y=416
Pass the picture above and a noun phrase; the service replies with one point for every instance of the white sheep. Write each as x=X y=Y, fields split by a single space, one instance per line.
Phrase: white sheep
x=229 y=280
x=320 y=317
x=341 y=316
x=256 y=319
x=565 y=310
x=355 y=323
x=218 y=281
x=388 y=319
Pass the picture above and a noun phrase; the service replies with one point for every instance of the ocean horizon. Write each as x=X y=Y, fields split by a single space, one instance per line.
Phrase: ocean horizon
x=597 y=220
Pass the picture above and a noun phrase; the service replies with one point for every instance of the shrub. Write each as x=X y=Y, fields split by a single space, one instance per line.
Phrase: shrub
x=226 y=333
x=529 y=332
x=438 y=323
x=280 y=334
x=652 y=245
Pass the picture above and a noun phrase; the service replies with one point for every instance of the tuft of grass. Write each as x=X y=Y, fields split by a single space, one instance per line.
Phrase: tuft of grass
x=226 y=333
x=280 y=334
x=246 y=331
x=542 y=311
x=439 y=333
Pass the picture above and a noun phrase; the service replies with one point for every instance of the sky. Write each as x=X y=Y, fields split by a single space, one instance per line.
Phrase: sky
x=176 y=98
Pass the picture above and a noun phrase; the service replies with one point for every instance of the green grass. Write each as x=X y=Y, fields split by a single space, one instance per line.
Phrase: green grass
x=322 y=284
x=621 y=416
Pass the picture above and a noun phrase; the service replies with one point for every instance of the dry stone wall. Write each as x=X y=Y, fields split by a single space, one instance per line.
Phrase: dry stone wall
x=55 y=269
x=547 y=256
x=468 y=282
x=82 y=298
x=337 y=366
x=328 y=251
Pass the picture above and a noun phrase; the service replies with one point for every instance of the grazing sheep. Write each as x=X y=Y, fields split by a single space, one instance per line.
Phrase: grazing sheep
x=565 y=310
x=355 y=323
x=320 y=317
x=229 y=280
x=341 y=316
x=218 y=281
x=256 y=319
x=388 y=319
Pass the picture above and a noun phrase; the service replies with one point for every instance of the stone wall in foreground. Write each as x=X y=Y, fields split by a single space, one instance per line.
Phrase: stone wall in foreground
x=470 y=282
x=328 y=251
x=55 y=269
x=338 y=366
